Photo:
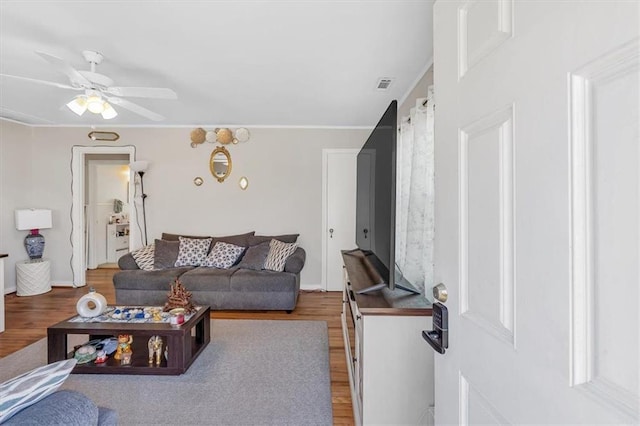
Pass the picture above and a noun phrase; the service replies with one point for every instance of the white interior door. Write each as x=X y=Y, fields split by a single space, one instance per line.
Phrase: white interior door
x=537 y=211
x=339 y=227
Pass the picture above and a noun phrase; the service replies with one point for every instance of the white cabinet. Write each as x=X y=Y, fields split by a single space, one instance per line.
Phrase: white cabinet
x=390 y=365
x=117 y=241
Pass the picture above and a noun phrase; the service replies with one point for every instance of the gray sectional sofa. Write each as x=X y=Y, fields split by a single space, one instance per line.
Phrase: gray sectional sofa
x=244 y=286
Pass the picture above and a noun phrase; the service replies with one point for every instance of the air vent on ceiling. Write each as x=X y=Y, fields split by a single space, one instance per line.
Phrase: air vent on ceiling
x=384 y=83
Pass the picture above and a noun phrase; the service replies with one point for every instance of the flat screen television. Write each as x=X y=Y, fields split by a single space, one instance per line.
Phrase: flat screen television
x=376 y=202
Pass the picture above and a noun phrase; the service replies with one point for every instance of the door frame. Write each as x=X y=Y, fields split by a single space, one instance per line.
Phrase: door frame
x=78 y=185
x=325 y=199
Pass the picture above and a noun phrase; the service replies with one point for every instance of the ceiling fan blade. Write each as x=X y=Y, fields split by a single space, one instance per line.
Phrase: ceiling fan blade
x=143 y=92
x=48 y=83
x=62 y=66
x=135 y=108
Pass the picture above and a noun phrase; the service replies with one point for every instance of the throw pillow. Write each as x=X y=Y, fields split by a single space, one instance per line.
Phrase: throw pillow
x=29 y=388
x=192 y=251
x=144 y=257
x=279 y=252
x=255 y=256
x=223 y=255
x=165 y=254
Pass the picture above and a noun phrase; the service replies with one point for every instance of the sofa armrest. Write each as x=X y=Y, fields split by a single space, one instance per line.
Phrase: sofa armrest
x=295 y=262
x=127 y=262
x=61 y=407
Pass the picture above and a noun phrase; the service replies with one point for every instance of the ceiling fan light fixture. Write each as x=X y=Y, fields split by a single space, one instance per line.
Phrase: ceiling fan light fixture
x=95 y=104
x=78 y=105
x=108 y=112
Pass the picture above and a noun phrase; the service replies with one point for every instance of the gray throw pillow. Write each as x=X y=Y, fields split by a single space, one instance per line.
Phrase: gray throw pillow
x=255 y=256
x=165 y=254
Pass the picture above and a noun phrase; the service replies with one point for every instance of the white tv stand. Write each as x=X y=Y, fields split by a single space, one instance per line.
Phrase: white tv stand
x=390 y=366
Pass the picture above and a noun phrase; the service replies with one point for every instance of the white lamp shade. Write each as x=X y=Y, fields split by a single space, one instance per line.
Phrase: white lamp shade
x=139 y=166
x=108 y=112
x=78 y=105
x=28 y=219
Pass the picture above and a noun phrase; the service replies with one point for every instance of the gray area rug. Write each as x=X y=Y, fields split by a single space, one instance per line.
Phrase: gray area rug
x=252 y=373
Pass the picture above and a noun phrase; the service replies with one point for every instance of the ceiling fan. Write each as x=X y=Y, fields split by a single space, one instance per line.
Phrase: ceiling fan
x=99 y=94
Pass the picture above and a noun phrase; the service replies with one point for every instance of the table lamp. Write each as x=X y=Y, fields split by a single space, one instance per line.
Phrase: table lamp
x=33 y=220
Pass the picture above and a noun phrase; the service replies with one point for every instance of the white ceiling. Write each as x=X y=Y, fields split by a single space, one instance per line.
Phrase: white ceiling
x=251 y=63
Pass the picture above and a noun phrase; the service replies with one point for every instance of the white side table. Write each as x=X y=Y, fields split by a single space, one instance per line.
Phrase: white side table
x=33 y=277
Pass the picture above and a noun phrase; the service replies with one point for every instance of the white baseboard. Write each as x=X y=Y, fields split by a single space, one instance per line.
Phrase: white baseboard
x=311 y=287
x=8 y=290
x=65 y=284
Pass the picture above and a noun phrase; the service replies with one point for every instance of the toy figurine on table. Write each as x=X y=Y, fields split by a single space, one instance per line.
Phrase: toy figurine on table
x=124 y=346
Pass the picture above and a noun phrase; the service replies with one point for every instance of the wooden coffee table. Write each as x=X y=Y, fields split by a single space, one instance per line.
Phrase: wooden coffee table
x=185 y=342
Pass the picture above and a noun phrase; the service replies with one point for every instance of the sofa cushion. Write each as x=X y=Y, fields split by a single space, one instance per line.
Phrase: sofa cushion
x=248 y=280
x=147 y=280
x=241 y=240
x=192 y=251
x=255 y=256
x=165 y=254
x=223 y=255
x=144 y=257
x=175 y=237
x=28 y=388
x=207 y=280
x=279 y=252
x=287 y=238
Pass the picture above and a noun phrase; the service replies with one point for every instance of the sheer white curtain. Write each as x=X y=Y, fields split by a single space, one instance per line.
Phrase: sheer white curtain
x=415 y=195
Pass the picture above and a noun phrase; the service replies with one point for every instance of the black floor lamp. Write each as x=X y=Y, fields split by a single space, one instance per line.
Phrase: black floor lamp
x=140 y=167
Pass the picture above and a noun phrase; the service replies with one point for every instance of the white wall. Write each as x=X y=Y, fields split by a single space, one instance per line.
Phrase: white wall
x=16 y=192
x=284 y=195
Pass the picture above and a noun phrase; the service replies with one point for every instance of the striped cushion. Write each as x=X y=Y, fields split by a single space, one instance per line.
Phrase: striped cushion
x=144 y=257
x=279 y=252
x=29 y=388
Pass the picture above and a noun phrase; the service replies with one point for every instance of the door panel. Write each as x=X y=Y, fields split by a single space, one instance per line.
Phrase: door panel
x=339 y=231
x=537 y=211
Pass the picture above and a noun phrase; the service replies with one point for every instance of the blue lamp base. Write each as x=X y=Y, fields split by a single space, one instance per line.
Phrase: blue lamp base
x=34 y=243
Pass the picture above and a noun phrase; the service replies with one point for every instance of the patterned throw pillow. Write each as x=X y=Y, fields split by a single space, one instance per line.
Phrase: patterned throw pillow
x=192 y=251
x=223 y=255
x=279 y=252
x=144 y=257
x=29 y=388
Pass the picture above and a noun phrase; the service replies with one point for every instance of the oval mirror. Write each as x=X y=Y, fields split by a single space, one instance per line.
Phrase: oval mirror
x=220 y=163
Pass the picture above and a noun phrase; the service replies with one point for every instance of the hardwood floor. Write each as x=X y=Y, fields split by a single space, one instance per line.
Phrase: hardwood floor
x=27 y=319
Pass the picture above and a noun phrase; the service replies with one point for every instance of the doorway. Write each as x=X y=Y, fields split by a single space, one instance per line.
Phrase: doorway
x=107 y=209
x=80 y=211
x=338 y=212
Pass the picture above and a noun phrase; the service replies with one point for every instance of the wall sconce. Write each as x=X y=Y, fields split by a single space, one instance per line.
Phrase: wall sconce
x=104 y=136
x=243 y=182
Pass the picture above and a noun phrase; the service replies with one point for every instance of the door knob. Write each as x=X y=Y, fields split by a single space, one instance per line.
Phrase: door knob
x=330 y=232
x=440 y=293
